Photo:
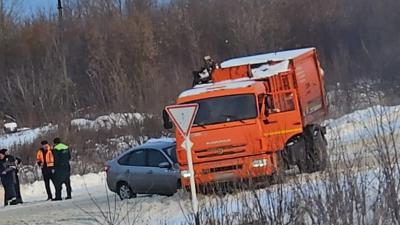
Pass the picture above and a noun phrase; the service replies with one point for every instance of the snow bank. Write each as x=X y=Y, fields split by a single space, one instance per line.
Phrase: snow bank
x=364 y=124
x=25 y=136
x=109 y=121
x=81 y=185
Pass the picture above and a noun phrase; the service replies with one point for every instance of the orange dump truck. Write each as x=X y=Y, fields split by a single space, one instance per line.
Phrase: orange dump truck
x=257 y=115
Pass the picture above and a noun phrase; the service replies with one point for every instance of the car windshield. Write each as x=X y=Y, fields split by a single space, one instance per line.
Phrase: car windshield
x=225 y=109
x=171 y=152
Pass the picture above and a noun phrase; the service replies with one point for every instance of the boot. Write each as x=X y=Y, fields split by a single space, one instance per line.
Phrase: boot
x=13 y=201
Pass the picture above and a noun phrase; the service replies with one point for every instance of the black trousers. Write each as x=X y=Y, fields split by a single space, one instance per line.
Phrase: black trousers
x=17 y=189
x=9 y=188
x=62 y=177
x=47 y=177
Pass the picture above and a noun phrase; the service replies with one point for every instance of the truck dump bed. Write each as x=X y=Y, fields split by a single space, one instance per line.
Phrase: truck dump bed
x=301 y=65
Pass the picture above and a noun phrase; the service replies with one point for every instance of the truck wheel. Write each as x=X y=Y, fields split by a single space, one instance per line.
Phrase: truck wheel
x=279 y=175
x=320 y=145
x=316 y=153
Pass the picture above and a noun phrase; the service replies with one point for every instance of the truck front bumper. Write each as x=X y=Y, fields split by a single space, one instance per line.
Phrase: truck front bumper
x=230 y=170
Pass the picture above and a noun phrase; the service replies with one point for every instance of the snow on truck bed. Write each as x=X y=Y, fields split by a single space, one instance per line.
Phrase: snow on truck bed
x=262 y=70
x=263 y=58
x=223 y=85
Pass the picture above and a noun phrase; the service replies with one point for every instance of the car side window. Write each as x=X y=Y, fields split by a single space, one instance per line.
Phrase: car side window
x=171 y=151
x=124 y=160
x=155 y=157
x=137 y=158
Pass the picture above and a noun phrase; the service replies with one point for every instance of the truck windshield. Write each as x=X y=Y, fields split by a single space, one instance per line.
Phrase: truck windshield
x=225 y=109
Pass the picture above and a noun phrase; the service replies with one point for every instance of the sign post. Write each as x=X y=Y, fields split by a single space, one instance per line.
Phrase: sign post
x=183 y=116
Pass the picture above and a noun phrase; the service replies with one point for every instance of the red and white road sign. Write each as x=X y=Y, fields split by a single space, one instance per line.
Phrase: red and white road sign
x=183 y=116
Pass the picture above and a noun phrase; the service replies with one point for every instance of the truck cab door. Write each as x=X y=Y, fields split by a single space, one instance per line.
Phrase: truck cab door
x=281 y=119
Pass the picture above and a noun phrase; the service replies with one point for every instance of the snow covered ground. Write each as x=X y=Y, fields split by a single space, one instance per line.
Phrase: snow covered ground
x=24 y=135
x=92 y=202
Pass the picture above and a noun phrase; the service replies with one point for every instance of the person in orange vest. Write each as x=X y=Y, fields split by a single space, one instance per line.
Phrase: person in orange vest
x=45 y=160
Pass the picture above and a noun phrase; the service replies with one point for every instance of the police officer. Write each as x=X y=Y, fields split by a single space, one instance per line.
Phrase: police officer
x=7 y=174
x=17 y=162
x=62 y=168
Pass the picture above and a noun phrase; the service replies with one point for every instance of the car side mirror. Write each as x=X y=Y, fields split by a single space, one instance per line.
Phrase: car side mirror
x=167 y=122
x=164 y=165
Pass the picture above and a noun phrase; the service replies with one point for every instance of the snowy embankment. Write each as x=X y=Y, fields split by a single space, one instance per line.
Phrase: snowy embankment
x=83 y=185
x=27 y=136
x=109 y=121
x=24 y=136
x=360 y=134
x=352 y=132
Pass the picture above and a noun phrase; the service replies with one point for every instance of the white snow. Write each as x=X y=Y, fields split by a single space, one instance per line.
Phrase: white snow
x=156 y=140
x=11 y=126
x=366 y=124
x=224 y=85
x=109 y=121
x=263 y=58
x=24 y=136
x=267 y=70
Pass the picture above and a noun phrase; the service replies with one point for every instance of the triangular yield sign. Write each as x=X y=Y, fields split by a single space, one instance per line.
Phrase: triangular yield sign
x=183 y=116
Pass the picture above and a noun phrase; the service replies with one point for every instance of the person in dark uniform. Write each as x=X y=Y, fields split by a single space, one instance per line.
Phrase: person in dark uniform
x=45 y=160
x=7 y=174
x=17 y=162
x=62 y=168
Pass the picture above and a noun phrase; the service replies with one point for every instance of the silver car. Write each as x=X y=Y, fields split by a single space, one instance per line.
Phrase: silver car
x=150 y=168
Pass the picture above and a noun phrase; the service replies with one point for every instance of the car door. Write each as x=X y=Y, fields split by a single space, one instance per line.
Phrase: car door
x=136 y=170
x=163 y=179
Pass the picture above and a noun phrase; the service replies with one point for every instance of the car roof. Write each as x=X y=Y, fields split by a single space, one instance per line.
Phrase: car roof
x=158 y=143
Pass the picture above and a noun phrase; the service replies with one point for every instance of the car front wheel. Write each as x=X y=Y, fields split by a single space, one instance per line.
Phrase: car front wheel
x=125 y=192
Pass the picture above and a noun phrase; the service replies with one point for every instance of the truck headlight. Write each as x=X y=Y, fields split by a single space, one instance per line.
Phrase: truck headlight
x=259 y=163
x=185 y=173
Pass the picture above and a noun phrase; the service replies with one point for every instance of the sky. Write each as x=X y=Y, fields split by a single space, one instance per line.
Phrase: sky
x=30 y=6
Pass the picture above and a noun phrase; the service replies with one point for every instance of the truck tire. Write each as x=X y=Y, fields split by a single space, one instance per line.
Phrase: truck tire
x=279 y=175
x=316 y=157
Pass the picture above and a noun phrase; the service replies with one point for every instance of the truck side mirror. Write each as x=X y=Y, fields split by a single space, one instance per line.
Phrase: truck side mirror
x=268 y=104
x=167 y=122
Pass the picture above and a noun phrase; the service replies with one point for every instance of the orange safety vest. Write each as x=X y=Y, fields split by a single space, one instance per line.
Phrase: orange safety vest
x=49 y=156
